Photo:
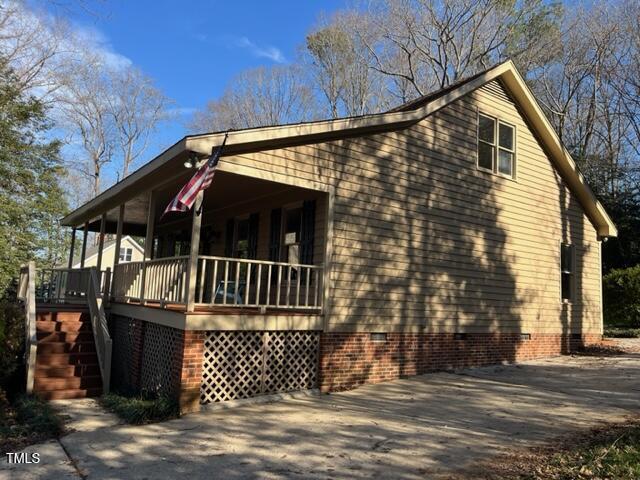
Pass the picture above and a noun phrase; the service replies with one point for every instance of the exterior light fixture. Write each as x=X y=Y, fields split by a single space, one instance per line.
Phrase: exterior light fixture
x=192 y=161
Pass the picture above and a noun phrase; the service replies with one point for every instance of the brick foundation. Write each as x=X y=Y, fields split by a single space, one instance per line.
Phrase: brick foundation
x=348 y=360
x=190 y=371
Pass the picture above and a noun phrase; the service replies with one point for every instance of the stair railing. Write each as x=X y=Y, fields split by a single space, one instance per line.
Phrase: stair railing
x=99 y=326
x=27 y=294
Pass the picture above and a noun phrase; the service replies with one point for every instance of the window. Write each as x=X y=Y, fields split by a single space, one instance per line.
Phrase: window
x=125 y=254
x=566 y=271
x=496 y=145
x=242 y=239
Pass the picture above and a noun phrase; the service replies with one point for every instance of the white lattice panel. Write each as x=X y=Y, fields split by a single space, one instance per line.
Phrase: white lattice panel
x=247 y=364
x=159 y=356
x=122 y=332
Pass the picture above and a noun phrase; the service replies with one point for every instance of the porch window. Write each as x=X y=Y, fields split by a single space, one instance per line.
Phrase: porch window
x=291 y=234
x=242 y=239
x=126 y=253
x=567 y=272
x=496 y=146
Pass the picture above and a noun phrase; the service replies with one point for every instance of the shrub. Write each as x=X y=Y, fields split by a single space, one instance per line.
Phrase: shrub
x=11 y=347
x=28 y=420
x=621 y=332
x=141 y=409
x=621 y=291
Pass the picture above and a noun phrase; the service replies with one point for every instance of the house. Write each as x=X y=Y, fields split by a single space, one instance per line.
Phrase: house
x=130 y=251
x=453 y=231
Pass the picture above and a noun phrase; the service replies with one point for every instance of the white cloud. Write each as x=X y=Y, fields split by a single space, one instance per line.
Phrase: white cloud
x=266 y=51
x=94 y=40
x=181 y=111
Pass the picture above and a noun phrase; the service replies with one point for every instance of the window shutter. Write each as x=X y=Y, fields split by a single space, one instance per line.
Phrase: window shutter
x=228 y=238
x=307 y=231
x=274 y=236
x=253 y=235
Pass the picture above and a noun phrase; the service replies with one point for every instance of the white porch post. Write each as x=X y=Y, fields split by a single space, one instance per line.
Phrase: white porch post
x=116 y=255
x=103 y=227
x=148 y=240
x=72 y=247
x=192 y=269
x=83 y=254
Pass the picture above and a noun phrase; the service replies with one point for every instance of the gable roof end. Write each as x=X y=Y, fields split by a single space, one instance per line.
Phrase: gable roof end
x=264 y=138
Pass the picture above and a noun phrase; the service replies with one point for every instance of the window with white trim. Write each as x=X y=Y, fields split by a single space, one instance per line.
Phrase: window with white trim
x=566 y=272
x=126 y=253
x=496 y=146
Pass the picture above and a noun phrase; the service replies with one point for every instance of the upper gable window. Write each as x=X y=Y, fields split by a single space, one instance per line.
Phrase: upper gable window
x=496 y=145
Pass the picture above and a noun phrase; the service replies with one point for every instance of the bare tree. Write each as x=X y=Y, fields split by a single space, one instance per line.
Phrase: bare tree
x=85 y=107
x=339 y=68
x=422 y=45
x=137 y=107
x=259 y=97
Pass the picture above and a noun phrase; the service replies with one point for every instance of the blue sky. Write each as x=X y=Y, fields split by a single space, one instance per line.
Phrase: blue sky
x=193 y=48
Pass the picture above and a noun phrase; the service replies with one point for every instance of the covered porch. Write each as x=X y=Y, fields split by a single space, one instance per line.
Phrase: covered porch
x=250 y=246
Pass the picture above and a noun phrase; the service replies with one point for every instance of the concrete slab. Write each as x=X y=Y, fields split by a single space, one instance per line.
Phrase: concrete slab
x=420 y=427
x=53 y=465
x=410 y=428
x=85 y=414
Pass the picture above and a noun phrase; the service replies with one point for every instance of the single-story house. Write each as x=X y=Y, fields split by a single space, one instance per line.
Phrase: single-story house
x=453 y=231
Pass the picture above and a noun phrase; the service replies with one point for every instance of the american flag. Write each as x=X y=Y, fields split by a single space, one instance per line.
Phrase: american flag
x=202 y=179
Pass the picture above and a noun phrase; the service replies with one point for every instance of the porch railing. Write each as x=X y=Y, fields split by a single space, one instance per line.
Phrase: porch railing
x=99 y=326
x=27 y=294
x=221 y=281
x=67 y=285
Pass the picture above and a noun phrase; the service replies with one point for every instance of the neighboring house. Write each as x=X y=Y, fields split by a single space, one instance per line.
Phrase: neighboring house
x=130 y=251
x=453 y=231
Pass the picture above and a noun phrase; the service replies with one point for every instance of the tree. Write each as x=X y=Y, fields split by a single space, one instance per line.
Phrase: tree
x=339 y=69
x=259 y=97
x=137 y=107
x=85 y=103
x=423 y=45
x=30 y=193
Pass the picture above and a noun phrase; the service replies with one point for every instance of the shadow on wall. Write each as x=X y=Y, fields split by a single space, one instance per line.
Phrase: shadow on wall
x=418 y=244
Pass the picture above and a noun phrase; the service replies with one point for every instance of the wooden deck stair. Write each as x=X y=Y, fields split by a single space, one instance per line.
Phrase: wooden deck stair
x=66 y=359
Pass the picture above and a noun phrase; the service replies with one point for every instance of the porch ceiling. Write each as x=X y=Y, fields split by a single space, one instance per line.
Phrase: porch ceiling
x=226 y=190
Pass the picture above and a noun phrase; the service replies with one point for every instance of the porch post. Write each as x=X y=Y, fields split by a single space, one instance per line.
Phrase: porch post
x=148 y=241
x=192 y=269
x=103 y=227
x=83 y=254
x=72 y=247
x=116 y=255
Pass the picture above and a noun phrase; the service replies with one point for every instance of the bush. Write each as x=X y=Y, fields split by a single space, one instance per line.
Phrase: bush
x=140 y=409
x=621 y=291
x=11 y=347
x=28 y=420
x=621 y=332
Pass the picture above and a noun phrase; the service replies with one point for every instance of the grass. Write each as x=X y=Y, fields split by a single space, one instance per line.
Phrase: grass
x=26 y=421
x=608 y=452
x=139 y=409
x=621 y=332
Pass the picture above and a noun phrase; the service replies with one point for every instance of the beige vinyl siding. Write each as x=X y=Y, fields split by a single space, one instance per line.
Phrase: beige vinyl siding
x=425 y=241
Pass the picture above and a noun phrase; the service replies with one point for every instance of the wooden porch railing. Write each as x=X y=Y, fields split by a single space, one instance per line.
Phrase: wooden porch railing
x=67 y=285
x=221 y=281
x=100 y=328
x=27 y=294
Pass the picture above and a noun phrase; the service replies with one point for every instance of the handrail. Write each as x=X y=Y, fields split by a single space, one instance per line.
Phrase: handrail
x=27 y=293
x=66 y=285
x=224 y=281
x=99 y=326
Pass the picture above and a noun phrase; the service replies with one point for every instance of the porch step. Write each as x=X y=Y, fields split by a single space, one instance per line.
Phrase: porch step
x=70 y=326
x=71 y=393
x=55 y=371
x=61 y=359
x=66 y=347
x=54 y=336
x=66 y=358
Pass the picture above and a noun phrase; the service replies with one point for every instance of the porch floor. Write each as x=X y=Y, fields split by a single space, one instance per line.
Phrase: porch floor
x=225 y=310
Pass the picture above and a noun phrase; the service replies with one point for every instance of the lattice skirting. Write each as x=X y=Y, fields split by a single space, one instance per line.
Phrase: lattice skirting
x=123 y=355
x=146 y=358
x=247 y=364
x=161 y=360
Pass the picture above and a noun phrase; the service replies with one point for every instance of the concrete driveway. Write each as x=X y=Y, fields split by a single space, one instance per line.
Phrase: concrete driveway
x=414 y=428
